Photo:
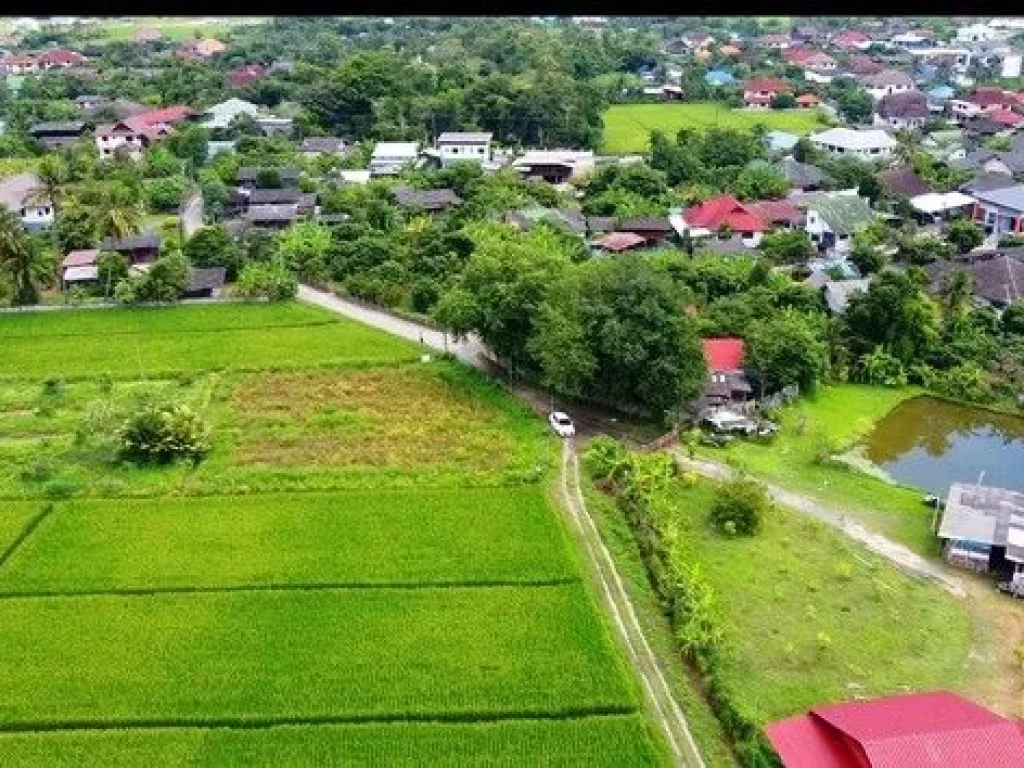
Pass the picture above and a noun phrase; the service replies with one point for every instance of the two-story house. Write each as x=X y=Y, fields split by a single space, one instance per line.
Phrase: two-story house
x=759 y=92
x=22 y=195
x=133 y=134
x=902 y=111
x=389 y=157
x=887 y=82
x=456 y=146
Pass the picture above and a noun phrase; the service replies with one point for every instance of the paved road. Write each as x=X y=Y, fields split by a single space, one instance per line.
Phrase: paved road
x=896 y=553
x=470 y=350
x=662 y=704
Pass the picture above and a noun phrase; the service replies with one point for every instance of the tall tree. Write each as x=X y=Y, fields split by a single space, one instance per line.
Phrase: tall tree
x=116 y=211
x=22 y=260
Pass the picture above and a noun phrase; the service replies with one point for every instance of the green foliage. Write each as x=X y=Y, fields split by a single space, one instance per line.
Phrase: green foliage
x=964 y=234
x=164 y=194
x=882 y=369
x=1013 y=318
x=165 y=280
x=787 y=246
x=894 y=313
x=868 y=259
x=740 y=507
x=269 y=280
x=759 y=182
x=304 y=248
x=788 y=349
x=24 y=260
x=161 y=433
x=214 y=247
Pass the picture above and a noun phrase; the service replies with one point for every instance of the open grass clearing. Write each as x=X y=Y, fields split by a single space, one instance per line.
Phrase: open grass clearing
x=360 y=654
x=811 y=617
x=14 y=517
x=827 y=424
x=628 y=127
x=608 y=741
x=379 y=538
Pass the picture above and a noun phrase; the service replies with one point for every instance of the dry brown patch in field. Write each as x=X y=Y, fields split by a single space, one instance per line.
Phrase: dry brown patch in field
x=398 y=418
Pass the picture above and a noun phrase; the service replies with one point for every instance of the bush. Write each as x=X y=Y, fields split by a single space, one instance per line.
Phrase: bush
x=163 y=433
x=603 y=457
x=272 y=280
x=739 y=507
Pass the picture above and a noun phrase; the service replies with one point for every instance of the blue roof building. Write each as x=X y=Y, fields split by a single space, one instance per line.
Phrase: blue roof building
x=941 y=93
x=718 y=77
x=780 y=141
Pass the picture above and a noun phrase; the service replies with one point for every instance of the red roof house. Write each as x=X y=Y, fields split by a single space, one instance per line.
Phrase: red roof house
x=616 y=242
x=851 y=40
x=724 y=209
x=760 y=91
x=60 y=57
x=777 y=213
x=807 y=101
x=168 y=115
x=918 y=730
x=724 y=355
x=1005 y=117
x=245 y=75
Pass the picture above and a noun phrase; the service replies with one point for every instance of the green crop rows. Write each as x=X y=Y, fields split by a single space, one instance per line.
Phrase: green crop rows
x=366 y=570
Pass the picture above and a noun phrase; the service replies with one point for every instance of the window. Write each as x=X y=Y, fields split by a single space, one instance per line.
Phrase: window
x=479 y=150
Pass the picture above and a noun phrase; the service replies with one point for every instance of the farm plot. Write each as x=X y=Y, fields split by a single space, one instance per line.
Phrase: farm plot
x=387 y=537
x=628 y=127
x=366 y=568
x=619 y=741
x=457 y=653
x=211 y=337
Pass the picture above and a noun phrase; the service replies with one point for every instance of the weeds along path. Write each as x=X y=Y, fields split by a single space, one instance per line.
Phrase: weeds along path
x=662 y=705
x=896 y=553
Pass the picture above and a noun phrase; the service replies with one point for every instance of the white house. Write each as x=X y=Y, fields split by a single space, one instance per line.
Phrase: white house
x=457 y=146
x=389 y=157
x=555 y=166
x=20 y=195
x=873 y=144
x=978 y=33
x=834 y=217
x=887 y=82
x=221 y=115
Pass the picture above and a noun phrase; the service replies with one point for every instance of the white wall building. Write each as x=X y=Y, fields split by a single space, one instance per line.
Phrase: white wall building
x=20 y=195
x=873 y=144
x=458 y=146
x=221 y=115
x=389 y=157
x=978 y=33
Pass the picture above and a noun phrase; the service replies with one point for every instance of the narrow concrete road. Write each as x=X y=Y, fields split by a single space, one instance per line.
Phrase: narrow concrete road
x=661 y=703
x=896 y=553
x=469 y=350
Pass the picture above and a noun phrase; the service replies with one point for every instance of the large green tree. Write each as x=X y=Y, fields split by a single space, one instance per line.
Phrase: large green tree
x=22 y=260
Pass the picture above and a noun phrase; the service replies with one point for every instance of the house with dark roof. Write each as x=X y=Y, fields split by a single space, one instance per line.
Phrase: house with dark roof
x=915 y=730
x=428 y=200
x=986 y=182
x=860 y=65
x=906 y=110
x=802 y=176
x=247 y=177
x=205 y=283
x=58 y=134
x=566 y=219
x=317 y=146
x=653 y=229
x=997 y=276
x=137 y=249
x=272 y=216
x=903 y=182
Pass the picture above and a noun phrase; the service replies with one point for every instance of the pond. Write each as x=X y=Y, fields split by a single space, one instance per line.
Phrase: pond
x=929 y=443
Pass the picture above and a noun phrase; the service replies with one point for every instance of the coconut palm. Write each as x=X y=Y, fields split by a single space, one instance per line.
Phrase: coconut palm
x=21 y=260
x=117 y=213
x=52 y=174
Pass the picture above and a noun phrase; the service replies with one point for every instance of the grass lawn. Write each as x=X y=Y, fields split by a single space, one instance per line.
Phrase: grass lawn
x=349 y=654
x=367 y=538
x=175 y=29
x=157 y=609
x=810 y=617
x=832 y=421
x=606 y=741
x=627 y=127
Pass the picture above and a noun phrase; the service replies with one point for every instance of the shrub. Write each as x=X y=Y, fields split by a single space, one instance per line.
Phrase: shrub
x=739 y=507
x=161 y=433
x=603 y=456
x=271 y=280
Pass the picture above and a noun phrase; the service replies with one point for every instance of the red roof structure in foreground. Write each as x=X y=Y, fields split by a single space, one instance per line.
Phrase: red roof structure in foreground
x=724 y=209
x=918 y=730
x=724 y=354
x=619 y=241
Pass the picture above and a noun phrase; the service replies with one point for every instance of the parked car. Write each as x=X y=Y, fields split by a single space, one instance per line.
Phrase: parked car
x=727 y=422
x=562 y=424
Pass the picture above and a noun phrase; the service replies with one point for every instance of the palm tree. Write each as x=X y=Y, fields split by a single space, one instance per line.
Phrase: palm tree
x=21 y=259
x=956 y=293
x=52 y=174
x=117 y=213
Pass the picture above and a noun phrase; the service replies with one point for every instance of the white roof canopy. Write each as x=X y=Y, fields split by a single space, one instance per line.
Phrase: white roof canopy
x=935 y=202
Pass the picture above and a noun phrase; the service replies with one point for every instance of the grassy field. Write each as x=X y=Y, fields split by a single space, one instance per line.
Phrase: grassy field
x=810 y=617
x=619 y=741
x=369 y=546
x=175 y=29
x=134 y=343
x=359 y=539
x=828 y=423
x=627 y=127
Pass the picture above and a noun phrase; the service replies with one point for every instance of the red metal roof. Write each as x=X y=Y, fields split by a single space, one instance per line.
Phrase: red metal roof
x=83 y=258
x=724 y=209
x=919 y=730
x=166 y=115
x=1005 y=117
x=774 y=211
x=772 y=84
x=724 y=354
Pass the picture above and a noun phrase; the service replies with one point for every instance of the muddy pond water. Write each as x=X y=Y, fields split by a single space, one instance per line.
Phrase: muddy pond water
x=929 y=443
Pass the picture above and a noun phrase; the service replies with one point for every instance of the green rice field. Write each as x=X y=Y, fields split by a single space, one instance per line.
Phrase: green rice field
x=628 y=127
x=367 y=568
